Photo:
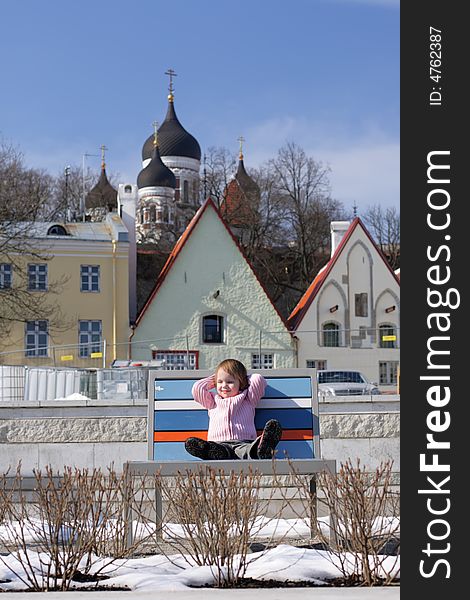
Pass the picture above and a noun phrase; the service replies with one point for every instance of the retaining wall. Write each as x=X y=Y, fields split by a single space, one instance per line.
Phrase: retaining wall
x=91 y=433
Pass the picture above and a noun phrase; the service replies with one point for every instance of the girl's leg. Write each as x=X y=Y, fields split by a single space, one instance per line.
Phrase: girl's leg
x=206 y=450
x=269 y=439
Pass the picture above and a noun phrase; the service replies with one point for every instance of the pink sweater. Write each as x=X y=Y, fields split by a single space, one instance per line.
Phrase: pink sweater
x=230 y=418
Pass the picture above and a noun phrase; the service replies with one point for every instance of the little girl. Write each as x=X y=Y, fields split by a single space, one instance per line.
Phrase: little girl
x=232 y=432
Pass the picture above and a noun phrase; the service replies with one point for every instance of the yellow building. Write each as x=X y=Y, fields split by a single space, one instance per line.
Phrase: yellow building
x=81 y=271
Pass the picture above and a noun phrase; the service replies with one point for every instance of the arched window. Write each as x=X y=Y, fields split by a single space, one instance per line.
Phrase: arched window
x=213 y=329
x=186 y=191
x=331 y=335
x=152 y=214
x=387 y=336
x=128 y=189
x=166 y=214
x=57 y=230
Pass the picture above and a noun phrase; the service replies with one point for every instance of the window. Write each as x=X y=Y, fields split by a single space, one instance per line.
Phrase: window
x=386 y=332
x=266 y=362
x=388 y=371
x=177 y=189
x=36 y=338
x=173 y=360
x=89 y=278
x=37 y=277
x=57 y=230
x=5 y=276
x=316 y=364
x=331 y=335
x=128 y=189
x=213 y=329
x=186 y=191
x=360 y=301
x=89 y=337
x=152 y=214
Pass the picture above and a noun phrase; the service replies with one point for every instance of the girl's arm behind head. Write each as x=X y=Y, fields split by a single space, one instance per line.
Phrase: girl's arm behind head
x=256 y=388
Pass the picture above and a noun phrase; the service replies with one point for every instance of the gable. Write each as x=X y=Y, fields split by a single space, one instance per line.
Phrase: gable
x=207 y=272
x=356 y=253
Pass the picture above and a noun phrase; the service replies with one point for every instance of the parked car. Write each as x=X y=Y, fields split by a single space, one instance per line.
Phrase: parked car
x=344 y=383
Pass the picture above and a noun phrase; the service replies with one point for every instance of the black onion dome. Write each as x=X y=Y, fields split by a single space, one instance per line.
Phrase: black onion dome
x=244 y=180
x=156 y=174
x=173 y=139
x=102 y=195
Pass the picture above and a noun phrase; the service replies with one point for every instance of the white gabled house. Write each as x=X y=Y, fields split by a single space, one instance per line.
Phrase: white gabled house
x=208 y=305
x=349 y=317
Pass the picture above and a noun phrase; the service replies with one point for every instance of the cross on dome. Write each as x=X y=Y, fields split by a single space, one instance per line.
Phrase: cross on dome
x=241 y=139
x=155 y=133
x=171 y=74
x=103 y=149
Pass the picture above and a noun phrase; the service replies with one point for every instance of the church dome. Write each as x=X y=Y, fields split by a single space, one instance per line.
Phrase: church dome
x=173 y=139
x=156 y=174
x=102 y=195
x=241 y=198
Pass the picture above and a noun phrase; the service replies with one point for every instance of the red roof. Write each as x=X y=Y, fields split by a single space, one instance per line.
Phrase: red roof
x=296 y=316
x=179 y=246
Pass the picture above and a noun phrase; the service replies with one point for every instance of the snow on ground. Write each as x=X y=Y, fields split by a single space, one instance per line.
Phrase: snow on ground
x=179 y=572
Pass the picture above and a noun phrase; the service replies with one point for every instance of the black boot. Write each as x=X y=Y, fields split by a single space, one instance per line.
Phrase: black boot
x=269 y=439
x=205 y=450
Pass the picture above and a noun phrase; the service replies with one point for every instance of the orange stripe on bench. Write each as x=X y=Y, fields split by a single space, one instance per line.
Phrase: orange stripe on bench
x=181 y=436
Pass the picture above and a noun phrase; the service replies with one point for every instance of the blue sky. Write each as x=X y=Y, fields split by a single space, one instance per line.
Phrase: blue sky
x=321 y=73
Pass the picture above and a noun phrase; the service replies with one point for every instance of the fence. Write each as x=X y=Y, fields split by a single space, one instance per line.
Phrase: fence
x=42 y=384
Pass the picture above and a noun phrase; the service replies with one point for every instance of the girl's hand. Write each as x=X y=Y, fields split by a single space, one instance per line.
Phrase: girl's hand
x=213 y=382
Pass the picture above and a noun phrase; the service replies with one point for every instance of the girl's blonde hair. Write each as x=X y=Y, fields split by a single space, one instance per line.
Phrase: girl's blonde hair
x=236 y=369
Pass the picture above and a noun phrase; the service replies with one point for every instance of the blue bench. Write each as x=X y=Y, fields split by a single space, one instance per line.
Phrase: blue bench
x=173 y=416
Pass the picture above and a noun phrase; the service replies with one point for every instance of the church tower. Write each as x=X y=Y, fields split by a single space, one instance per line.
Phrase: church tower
x=156 y=210
x=241 y=201
x=102 y=198
x=181 y=153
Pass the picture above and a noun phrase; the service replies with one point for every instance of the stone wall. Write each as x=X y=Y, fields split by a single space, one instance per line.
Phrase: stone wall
x=96 y=433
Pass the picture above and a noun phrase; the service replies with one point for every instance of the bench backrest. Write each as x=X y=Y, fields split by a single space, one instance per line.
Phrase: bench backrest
x=290 y=397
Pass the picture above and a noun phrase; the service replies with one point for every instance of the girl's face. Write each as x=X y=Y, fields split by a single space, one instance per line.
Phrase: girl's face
x=227 y=385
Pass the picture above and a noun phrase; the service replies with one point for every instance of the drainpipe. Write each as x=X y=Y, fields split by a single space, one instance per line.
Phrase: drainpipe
x=114 y=299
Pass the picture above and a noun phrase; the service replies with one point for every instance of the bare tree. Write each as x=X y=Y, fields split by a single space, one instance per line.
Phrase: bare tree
x=384 y=225
x=303 y=184
x=24 y=194
x=218 y=169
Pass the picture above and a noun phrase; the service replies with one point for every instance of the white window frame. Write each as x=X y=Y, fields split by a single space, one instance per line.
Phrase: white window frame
x=392 y=331
x=37 y=277
x=316 y=363
x=176 y=361
x=221 y=327
x=89 y=337
x=267 y=360
x=36 y=339
x=391 y=372
x=90 y=274
x=324 y=332
x=6 y=276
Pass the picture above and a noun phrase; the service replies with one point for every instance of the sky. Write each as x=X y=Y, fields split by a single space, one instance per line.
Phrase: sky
x=157 y=572
x=321 y=73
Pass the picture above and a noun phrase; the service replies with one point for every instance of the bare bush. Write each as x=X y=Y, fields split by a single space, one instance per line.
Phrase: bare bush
x=219 y=514
x=363 y=523
x=56 y=531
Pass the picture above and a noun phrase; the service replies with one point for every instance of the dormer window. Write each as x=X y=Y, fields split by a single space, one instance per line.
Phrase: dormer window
x=57 y=230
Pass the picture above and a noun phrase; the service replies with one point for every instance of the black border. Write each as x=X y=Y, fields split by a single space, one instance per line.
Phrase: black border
x=424 y=129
